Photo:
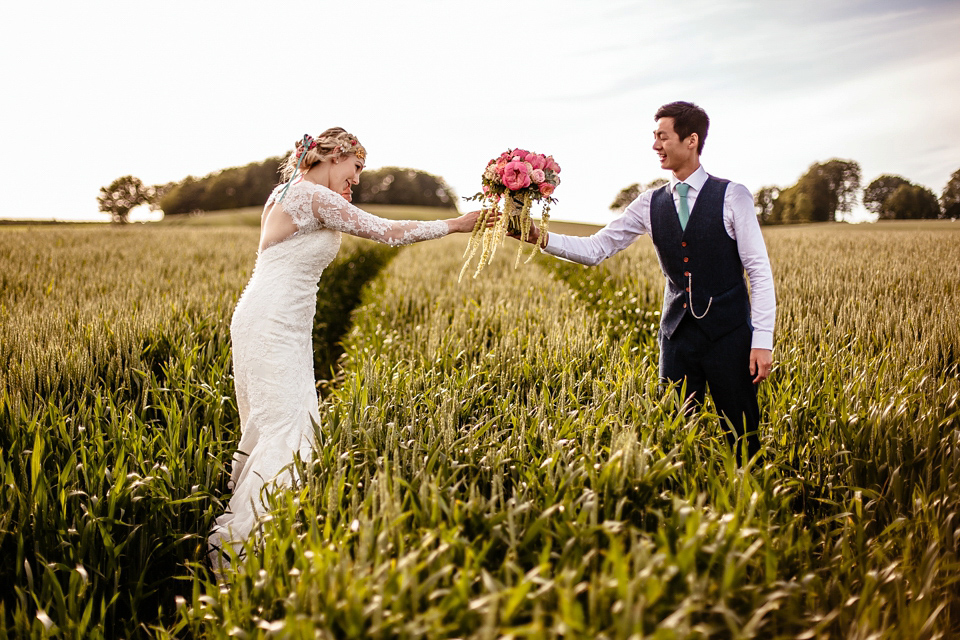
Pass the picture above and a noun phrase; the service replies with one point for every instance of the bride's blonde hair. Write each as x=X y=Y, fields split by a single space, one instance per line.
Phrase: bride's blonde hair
x=331 y=144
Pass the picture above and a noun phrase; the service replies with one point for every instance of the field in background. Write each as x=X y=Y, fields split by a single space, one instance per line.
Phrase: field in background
x=495 y=457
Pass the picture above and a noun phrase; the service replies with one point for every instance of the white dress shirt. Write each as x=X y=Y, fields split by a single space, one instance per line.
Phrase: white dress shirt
x=739 y=219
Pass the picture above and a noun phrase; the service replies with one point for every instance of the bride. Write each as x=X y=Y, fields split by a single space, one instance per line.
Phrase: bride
x=272 y=326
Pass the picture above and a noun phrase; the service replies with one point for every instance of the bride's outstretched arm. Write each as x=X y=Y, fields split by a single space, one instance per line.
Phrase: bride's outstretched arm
x=334 y=212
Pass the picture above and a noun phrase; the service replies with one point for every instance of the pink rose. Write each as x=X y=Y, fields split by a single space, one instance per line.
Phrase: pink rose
x=516 y=176
x=551 y=164
x=538 y=176
x=546 y=188
x=536 y=160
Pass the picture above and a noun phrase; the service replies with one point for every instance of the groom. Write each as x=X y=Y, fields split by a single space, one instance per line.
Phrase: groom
x=706 y=234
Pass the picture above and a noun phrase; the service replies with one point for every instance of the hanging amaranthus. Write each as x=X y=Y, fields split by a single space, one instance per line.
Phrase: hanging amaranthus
x=511 y=184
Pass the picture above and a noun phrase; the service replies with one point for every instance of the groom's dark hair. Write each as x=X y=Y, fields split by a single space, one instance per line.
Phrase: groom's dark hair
x=687 y=118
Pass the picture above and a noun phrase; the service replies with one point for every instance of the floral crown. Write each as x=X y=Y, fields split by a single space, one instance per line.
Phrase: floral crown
x=346 y=147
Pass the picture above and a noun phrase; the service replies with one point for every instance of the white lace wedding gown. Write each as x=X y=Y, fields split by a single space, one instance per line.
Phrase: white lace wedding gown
x=272 y=340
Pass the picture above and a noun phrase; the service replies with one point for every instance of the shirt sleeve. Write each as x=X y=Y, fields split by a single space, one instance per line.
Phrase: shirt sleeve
x=741 y=215
x=334 y=212
x=613 y=238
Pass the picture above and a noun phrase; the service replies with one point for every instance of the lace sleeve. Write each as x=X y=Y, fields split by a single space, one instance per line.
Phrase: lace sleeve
x=334 y=212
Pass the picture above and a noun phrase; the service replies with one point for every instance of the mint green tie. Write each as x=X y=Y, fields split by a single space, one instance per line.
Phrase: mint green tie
x=682 y=188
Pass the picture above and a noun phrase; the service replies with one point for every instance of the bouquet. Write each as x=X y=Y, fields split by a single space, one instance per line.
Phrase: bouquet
x=511 y=184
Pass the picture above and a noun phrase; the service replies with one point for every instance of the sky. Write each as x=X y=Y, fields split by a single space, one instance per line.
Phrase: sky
x=162 y=90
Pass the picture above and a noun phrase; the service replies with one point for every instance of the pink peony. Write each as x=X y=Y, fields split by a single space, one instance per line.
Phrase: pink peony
x=551 y=164
x=537 y=175
x=546 y=188
x=536 y=160
x=516 y=176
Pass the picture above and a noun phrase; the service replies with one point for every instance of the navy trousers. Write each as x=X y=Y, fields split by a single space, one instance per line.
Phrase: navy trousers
x=724 y=366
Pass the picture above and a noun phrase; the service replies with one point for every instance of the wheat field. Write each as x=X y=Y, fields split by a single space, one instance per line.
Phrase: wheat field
x=495 y=458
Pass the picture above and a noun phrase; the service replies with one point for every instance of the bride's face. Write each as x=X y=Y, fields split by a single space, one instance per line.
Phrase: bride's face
x=345 y=172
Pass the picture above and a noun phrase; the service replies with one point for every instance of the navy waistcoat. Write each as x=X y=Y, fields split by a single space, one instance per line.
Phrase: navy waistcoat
x=701 y=263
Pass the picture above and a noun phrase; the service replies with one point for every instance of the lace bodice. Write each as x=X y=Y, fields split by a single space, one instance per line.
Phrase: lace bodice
x=312 y=206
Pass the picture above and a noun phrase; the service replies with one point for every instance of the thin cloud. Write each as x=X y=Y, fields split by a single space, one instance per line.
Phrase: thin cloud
x=789 y=51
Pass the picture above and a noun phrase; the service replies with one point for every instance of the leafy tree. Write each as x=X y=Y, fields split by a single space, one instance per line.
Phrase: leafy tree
x=161 y=190
x=402 y=186
x=823 y=192
x=188 y=195
x=245 y=186
x=878 y=191
x=843 y=184
x=912 y=202
x=625 y=197
x=763 y=201
x=950 y=199
x=796 y=204
x=250 y=185
x=656 y=183
x=122 y=195
x=629 y=194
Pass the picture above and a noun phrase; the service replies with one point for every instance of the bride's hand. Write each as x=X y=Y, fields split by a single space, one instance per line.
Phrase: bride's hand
x=467 y=222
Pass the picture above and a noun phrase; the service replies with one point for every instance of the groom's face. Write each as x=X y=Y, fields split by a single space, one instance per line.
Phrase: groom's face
x=674 y=153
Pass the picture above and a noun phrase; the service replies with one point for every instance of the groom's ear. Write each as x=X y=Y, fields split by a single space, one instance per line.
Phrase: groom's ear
x=692 y=140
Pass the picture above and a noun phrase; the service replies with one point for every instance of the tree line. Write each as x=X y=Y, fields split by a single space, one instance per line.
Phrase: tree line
x=828 y=191
x=249 y=186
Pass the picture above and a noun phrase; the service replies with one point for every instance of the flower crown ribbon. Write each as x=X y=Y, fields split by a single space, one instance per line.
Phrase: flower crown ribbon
x=306 y=144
